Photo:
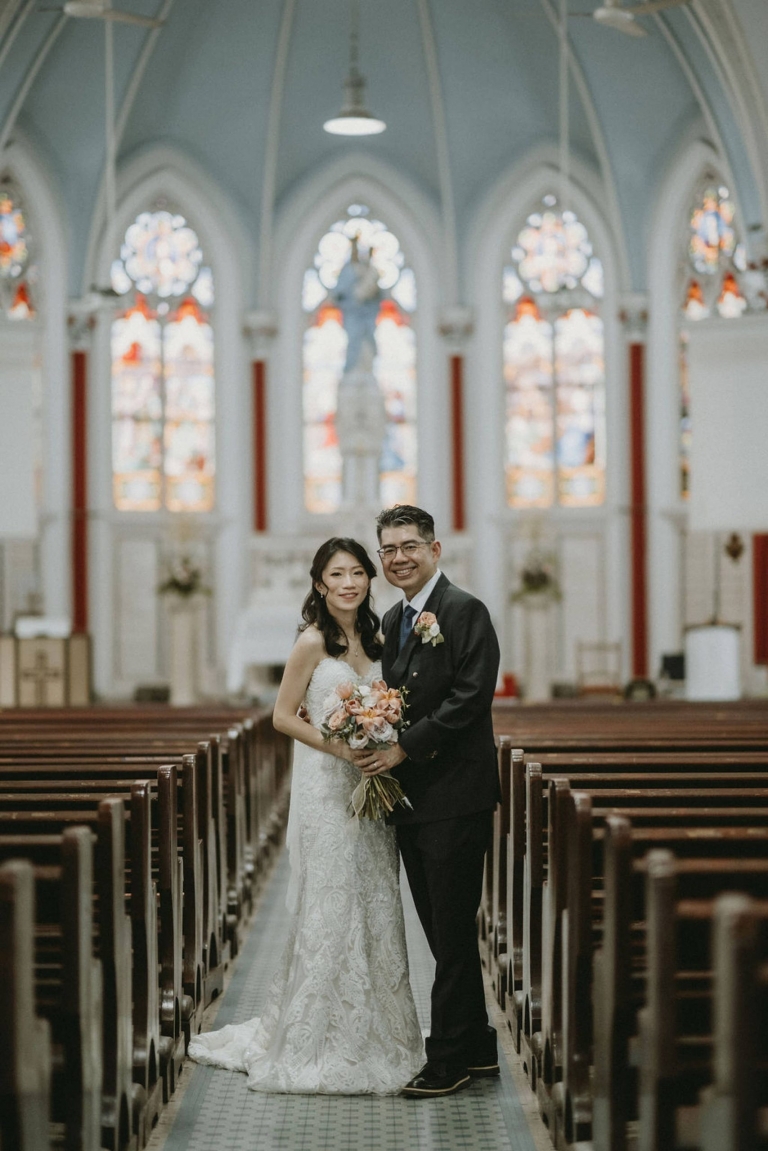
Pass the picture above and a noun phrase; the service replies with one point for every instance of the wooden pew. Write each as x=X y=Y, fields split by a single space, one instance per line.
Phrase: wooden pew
x=25 y=1038
x=206 y=954
x=494 y=924
x=52 y=776
x=708 y=765
x=256 y=795
x=636 y=940
x=605 y=764
x=550 y=938
x=177 y=1010
x=132 y=1000
x=122 y=1102
x=677 y=1051
x=67 y=986
x=575 y=874
x=731 y=1117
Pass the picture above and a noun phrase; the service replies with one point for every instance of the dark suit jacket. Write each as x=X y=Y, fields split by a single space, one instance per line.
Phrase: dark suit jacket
x=451 y=767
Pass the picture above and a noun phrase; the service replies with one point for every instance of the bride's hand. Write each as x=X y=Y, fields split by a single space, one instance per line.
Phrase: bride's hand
x=342 y=750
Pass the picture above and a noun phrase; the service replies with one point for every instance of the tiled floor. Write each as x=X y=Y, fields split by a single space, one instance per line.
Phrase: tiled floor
x=216 y=1112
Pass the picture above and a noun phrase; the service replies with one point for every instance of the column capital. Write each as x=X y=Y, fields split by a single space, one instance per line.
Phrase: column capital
x=83 y=316
x=456 y=324
x=260 y=327
x=633 y=314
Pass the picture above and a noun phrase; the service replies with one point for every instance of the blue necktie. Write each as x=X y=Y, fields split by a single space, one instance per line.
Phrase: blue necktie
x=406 y=624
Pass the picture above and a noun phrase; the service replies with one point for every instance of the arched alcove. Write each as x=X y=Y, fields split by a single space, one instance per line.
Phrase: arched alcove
x=132 y=549
x=681 y=567
x=301 y=222
x=39 y=347
x=589 y=543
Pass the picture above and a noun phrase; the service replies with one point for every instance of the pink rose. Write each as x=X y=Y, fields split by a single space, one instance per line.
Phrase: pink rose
x=383 y=732
x=427 y=619
x=345 y=690
x=337 y=719
x=353 y=707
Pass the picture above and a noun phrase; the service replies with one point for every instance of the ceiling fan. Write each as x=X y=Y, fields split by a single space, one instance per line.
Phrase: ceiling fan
x=611 y=14
x=100 y=10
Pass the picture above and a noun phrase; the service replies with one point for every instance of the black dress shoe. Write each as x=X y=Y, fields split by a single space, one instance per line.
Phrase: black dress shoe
x=436 y=1079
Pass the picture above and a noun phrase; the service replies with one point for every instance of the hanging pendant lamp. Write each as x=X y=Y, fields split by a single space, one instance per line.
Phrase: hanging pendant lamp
x=354 y=119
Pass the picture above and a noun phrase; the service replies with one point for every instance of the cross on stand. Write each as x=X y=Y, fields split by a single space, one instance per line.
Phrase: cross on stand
x=41 y=674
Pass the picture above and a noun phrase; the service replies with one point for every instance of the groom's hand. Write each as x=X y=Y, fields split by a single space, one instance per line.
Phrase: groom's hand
x=373 y=762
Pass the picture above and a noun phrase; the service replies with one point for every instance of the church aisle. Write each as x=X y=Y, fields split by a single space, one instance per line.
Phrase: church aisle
x=218 y=1113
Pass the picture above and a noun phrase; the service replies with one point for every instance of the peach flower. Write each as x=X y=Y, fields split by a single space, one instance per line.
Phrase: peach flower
x=337 y=719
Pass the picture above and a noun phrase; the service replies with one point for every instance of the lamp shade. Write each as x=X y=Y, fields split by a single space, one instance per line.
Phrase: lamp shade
x=354 y=119
x=728 y=374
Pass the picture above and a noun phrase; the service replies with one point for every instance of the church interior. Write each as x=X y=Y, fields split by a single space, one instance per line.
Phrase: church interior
x=265 y=269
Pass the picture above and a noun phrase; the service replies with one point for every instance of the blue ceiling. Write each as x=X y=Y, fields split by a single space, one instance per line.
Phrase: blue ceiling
x=206 y=91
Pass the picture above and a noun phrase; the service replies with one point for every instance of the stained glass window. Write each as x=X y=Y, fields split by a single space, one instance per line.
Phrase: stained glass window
x=163 y=384
x=712 y=233
x=528 y=372
x=554 y=367
x=324 y=355
x=17 y=270
x=714 y=258
x=580 y=414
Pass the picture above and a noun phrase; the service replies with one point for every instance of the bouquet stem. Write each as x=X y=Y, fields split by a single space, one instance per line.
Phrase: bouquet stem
x=376 y=797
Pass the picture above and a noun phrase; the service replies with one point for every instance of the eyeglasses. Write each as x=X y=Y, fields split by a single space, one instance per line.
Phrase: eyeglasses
x=408 y=549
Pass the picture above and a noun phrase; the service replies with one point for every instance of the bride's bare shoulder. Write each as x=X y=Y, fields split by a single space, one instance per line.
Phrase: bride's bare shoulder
x=310 y=642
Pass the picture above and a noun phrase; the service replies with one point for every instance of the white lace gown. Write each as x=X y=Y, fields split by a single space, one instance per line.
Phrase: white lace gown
x=339 y=1016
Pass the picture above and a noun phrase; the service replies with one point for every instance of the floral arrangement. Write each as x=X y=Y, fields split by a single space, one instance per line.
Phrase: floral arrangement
x=368 y=717
x=428 y=629
x=538 y=577
x=185 y=579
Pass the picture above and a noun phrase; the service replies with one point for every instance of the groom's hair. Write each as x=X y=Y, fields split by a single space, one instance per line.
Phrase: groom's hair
x=402 y=515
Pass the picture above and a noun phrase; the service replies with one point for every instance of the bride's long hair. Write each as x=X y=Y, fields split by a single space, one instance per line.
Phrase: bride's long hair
x=315 y=610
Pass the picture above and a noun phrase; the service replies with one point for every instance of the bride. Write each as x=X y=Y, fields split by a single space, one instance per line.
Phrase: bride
x=339 y=1016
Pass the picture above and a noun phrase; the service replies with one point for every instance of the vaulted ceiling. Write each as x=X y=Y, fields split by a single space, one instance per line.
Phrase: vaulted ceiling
x=207 y=81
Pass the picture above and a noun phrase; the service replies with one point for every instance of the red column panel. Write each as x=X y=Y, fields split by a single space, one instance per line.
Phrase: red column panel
x=638 y=510
x=79 y=492
x=457 y=440
x=760 y=594
x=259 y=446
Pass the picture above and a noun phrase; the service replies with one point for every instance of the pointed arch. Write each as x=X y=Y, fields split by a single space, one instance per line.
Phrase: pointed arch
x=156 y=175
x=495 y=224
x=667 y=516
x=301 y=222
x=497 y=221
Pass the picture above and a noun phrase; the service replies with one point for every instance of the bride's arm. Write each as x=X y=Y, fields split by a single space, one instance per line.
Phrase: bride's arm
x=304 y=658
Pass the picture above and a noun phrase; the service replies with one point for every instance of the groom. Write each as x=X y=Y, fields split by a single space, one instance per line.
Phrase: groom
x=446 y=762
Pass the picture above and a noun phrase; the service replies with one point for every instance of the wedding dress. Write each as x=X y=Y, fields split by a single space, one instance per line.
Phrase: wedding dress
x=339 y=1017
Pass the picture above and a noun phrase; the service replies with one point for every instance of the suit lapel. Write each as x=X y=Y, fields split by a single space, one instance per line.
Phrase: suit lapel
x=400 y=664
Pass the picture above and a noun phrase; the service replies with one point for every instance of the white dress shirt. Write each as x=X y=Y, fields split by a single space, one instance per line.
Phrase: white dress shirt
x=419 y=600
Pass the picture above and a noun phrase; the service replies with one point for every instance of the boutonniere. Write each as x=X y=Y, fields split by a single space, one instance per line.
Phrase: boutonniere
x=428 y=629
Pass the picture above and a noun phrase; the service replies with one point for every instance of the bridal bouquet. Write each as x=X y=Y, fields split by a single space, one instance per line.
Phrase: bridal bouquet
x=368 y=717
